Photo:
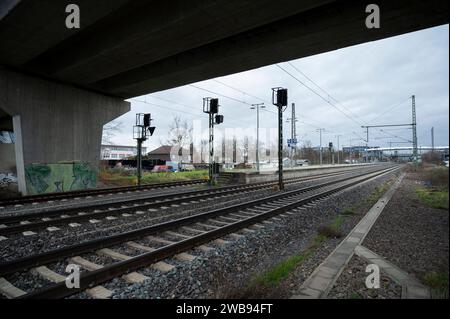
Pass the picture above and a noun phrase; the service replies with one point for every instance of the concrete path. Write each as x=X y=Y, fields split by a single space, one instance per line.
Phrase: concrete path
x=411 y=288
x=319 y=284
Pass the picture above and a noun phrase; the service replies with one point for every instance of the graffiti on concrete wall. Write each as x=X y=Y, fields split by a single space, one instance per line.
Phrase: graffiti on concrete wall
x=60 y=177
x=7 y=179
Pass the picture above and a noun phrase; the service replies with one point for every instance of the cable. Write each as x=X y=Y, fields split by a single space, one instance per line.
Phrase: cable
x=222 y=95
x=331 y=97
x=323 y=90
x=313 y=91
x=390 y=109
x=243 y=92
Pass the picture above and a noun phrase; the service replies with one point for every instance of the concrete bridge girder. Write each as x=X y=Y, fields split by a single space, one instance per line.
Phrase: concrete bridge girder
x=54 y=123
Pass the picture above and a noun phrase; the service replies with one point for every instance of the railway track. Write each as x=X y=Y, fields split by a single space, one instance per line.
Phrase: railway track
x=164 y=240
x=94 y=192
x=32 y=221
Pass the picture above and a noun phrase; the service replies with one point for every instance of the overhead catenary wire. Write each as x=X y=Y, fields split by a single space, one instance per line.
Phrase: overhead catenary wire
x=331 y=97
x=319 y=95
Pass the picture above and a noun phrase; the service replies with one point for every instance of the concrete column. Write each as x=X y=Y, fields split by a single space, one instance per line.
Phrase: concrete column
x=55 y=123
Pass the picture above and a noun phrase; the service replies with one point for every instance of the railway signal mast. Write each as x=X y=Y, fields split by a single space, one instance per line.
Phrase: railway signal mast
x=211 y=107
x=280 y=100
x=141 y=131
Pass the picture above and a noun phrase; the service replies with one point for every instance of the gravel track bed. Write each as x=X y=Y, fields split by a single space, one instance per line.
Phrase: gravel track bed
x=410 y=234
x=240 y=258
x=44 y=240
x=37 y=207
x=351 y=284
x=226 y=270
x=106 y=198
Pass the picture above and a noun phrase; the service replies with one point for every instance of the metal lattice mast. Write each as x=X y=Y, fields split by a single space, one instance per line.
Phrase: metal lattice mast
x=432 y=139
x=293 y=134
x=414 y=127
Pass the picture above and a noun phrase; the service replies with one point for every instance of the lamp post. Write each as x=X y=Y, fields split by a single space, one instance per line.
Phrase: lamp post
x=338 y=159
x=320 y=146
x=257 y=107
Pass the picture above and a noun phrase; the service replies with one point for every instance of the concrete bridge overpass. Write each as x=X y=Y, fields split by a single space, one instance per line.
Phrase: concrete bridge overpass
x=58 y=86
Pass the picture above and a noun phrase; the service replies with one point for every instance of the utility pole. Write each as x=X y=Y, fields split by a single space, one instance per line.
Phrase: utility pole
x=279 y=99
x=320 y=146
x=414 y=127
x=338 y=159
x=367 y=144
x=257 y=106
x=293 y=141
x=432 y=139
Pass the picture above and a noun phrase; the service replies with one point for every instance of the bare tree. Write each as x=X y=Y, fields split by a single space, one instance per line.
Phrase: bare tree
x=180 y=133
x=203 y=144
x=110 y=130
x=308 y=152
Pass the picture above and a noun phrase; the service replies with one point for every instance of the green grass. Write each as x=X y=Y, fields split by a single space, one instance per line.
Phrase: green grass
x=281 y=271
x=276 y=274
x=433 y=197
x=173 y=177
x=355 y=295
x=349 y=211
x=122 y=178
x=438 y=283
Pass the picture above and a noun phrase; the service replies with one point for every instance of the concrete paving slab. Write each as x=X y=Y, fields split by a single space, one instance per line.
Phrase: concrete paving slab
x=113 y=254
x=162 y=266
x=99 y=292
x=134 y=277
x=48 y=274
x=320 y=280
x=9 y=290
x=84 y=263
x=411 y=288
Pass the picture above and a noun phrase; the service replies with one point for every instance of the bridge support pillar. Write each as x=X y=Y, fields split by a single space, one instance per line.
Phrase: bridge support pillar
x=57 y=130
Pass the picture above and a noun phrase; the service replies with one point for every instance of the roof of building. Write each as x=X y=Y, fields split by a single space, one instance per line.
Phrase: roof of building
x=164 y=149
x=114 y=145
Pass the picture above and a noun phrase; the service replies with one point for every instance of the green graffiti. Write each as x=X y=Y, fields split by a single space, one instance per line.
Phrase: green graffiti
x=84 y=176
x=60 y=177
x=36 y=175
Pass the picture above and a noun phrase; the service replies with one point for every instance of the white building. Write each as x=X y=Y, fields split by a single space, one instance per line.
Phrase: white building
x=119 y=152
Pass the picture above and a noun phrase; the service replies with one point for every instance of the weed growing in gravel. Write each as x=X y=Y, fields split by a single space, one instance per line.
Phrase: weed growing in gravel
x=332 y=230
x=438 y=283
x=349 y=211
x=355 y=295
x=273 y=276
x=432 y=197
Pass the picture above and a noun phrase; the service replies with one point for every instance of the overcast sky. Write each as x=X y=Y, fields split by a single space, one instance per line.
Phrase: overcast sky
x=371 y=83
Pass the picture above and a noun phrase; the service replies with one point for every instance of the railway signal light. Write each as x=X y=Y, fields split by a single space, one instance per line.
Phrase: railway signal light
x=280 y=99
x=211 y=107
x=219 y=119
x=141 y=131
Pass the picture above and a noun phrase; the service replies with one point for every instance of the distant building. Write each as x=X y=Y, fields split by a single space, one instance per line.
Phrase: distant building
x=356 y=149
x=165 y=153
x=119 y=152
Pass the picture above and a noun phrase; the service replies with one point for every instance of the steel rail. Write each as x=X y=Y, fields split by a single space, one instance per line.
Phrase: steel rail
x=93 y=278
x=157 y=201
x=90 y=192
x=24 y=263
